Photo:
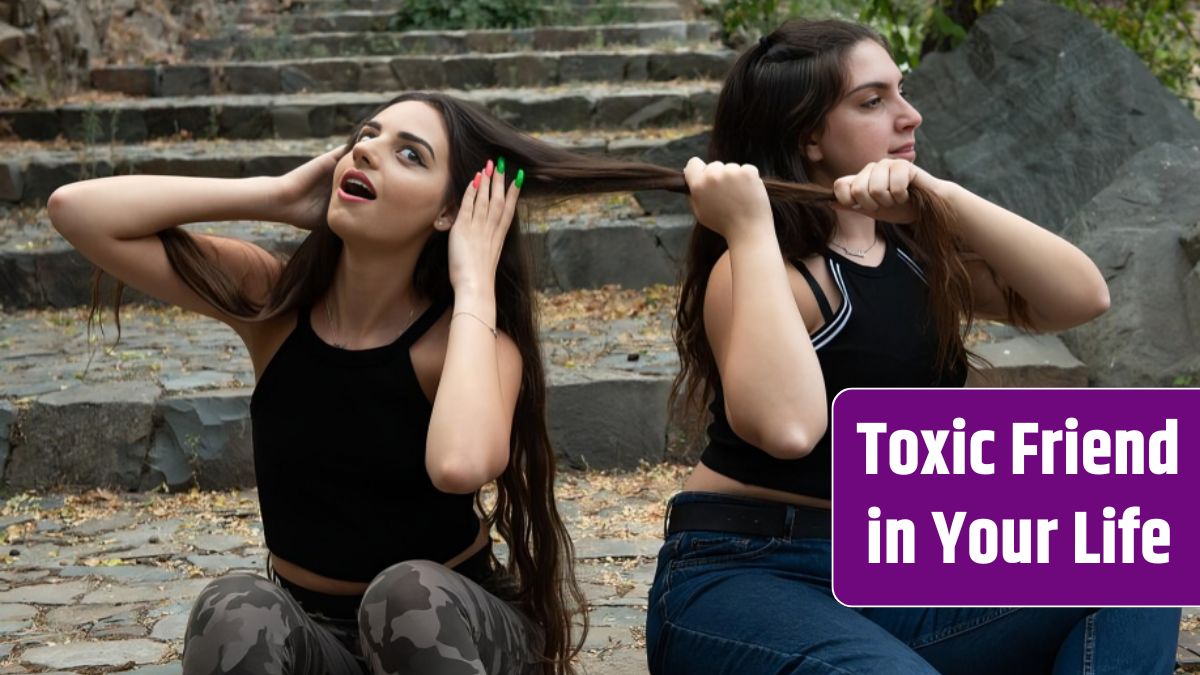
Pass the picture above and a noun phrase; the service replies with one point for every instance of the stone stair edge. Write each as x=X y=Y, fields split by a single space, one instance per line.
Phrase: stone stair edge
x=21 y=151
x=379 y=19
x=698 y=27
x=500 y=70
x=40 y=235
x=354 y=98
x=185 y=433
x=602 y=417
x=40 y=270
x=485 y=40
x=622 y=50
x=298 y=116
x=459 y=32
x=28 y=175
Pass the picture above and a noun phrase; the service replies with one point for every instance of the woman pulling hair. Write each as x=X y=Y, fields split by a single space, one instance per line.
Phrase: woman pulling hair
x=785 y=304
x=398 y=372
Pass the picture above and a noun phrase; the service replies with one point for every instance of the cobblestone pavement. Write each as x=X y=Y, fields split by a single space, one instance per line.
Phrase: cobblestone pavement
x=97 y=582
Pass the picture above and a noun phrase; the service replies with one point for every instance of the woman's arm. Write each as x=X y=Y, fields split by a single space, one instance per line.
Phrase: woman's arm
x=1063 y=287
x=774 y=388
x=114 y=222
x=469 y=431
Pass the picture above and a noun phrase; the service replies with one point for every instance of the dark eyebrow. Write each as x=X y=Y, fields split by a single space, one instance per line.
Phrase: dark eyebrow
x=405 y=135
x=873 y=85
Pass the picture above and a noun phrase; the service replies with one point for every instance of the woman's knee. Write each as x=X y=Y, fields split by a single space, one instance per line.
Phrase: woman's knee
x=414 y=610
x=411 y=589
x=238 y=624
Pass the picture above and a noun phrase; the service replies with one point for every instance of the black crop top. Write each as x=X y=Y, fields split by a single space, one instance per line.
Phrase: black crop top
x=339 y=457
x=881 y=336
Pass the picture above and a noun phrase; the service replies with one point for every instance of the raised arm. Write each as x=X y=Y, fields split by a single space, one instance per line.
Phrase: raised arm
x=1063 y=287
x=774 y=389
x=469 y=430
x=114 y=222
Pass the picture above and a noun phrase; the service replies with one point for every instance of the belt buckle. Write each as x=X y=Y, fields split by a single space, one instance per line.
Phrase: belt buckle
x=667 y=518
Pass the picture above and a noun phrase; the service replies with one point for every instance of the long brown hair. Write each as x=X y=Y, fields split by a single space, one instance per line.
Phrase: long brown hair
x=540 y=551
x=776 y=96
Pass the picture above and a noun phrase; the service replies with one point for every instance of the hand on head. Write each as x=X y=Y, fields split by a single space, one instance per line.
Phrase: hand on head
x=301 y=196
x=477 y=235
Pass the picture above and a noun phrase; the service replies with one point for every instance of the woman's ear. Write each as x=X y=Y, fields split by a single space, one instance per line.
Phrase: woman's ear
x=812 y=149
x=444 y=220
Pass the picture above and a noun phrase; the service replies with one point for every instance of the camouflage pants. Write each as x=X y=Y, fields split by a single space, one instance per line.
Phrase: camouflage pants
x=415 y=617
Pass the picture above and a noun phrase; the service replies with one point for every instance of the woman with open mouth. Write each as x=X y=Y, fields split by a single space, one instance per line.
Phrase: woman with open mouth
x=398 y=372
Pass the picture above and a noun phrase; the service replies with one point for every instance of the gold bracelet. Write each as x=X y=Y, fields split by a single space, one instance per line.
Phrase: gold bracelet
x=485 y=324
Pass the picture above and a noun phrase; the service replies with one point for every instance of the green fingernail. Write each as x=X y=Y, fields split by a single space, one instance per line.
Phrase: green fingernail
x=520 y=178
x=500 y=165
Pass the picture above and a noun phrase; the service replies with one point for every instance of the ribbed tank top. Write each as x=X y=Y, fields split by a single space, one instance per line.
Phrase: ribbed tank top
x=881 y=336
x=339 y=457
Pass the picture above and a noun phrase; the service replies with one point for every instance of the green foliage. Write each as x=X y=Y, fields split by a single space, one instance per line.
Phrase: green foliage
x=1162 y=32
x=901 y=23
x=88 y=159
x=608 y=12
x=442 y=15
x=743 y=21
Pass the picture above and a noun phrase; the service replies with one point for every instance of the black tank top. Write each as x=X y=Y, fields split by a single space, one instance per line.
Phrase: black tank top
x=882 y=336
x=339 y=457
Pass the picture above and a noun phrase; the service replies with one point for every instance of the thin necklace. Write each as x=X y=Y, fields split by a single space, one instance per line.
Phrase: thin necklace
x=334 y=330
x=857 y=253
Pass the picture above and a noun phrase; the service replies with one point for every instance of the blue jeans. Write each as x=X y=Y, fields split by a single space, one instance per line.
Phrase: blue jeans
x=744 y=605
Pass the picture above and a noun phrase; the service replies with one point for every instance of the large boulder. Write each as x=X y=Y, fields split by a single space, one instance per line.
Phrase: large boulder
x=1139 y=232
x=1038 y=108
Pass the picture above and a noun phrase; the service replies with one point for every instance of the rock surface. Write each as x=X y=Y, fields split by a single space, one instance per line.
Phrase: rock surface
x=1038 y=109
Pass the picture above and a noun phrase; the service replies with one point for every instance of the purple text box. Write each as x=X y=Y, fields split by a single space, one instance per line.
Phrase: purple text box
x=1062 y=579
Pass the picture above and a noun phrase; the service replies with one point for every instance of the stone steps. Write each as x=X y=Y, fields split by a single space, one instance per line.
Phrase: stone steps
x=389 y=73
x=567 y=107
x=382 y=20
x=174 y=393
x=586 y=244
x=308 y=7
x=545 y=38
x=28 y=175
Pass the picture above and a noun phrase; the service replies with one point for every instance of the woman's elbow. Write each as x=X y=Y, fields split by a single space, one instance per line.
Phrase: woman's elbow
x=57 y=207
x=455 y=480
x=1101 y=302
x=785 y=441
x=1094 y=299
x=794 y=443
x=1087 y=308
x=460 y=476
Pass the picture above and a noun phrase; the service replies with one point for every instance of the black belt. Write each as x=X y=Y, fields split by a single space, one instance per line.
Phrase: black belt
x=759 y=519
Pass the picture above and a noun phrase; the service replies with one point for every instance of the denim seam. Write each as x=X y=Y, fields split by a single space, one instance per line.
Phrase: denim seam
x=958 y=629
x=669 y=626
x=1089 y=645
x=746 y=556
